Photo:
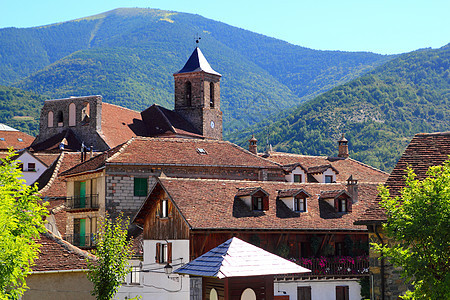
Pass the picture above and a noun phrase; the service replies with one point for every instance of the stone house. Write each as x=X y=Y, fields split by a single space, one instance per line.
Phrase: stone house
x=424 y=150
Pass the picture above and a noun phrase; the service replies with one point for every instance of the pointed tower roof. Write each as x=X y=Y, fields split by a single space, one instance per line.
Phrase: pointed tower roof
x=197 y=63
x=238 y=258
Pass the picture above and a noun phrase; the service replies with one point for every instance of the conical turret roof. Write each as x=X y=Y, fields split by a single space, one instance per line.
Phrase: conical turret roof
x=197 y=63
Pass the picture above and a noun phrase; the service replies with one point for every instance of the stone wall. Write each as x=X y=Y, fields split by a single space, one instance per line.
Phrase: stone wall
x=394 y=285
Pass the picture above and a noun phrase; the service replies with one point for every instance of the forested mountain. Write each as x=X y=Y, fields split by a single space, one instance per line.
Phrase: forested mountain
x=129 y=56
x=379 y=112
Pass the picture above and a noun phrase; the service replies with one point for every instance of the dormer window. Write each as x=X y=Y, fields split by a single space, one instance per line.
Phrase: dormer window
x=339 y=199
x=255 y=198
x=297 y=177
x=201 y=151
x=294 y=199
x=300 y=204
x=322 y=174
x=342 y=205
x=257 y=203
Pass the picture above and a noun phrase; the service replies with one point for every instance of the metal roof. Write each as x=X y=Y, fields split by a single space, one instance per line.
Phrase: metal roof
x=237 y=258
x=197 y=63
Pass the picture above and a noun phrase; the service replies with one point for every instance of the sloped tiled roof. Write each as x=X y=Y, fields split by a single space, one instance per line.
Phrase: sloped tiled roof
x=333 y=194
x=236 y=258
x=211 y=204
x=58 y=255
x=249 y=191
x=424 y=150
x=52 y=185
x=292 y=193
x=176 y=152
x=120 y=124
x=66 y=137
x=345 y=167
x=14 y=138
x=321 y=169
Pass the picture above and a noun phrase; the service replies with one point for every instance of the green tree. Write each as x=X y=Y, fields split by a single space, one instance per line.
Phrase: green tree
x=419 y=223
x=113 y=252
x=21 y=220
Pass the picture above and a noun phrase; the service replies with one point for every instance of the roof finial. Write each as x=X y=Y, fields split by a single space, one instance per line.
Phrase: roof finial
x=197 y=39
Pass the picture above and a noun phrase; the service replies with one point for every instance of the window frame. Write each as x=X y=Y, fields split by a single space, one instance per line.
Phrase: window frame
x=297 y=202
x=330 y=177
x=163 y=253
x=297 y=176
x=257 y=202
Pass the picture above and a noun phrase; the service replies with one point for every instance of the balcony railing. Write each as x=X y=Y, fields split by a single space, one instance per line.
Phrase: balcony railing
x=82 y=202
x=82 y=241
x=341 y=266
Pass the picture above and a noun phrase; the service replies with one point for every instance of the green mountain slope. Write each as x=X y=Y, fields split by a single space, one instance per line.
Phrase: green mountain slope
x=20 y=109
x=129 y=56
x=379 y=112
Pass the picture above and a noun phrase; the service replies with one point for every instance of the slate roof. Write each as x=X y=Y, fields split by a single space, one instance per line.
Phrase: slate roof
x=208 y=204
x=424 y=150
x=345 y=167
x=58 y=255
x=197 y=63
x=66 y=137
x=180 y=152
x=10 y=137
x=236 y=258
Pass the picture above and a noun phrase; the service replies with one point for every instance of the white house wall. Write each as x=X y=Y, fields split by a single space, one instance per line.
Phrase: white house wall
x=155 y=284
x=324 y=289
x=31 y=176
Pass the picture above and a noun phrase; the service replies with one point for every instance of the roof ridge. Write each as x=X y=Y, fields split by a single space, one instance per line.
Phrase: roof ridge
x=55 y=173
x=252 y=181
x=249 y=152
x=68 y=246
x=124 y=146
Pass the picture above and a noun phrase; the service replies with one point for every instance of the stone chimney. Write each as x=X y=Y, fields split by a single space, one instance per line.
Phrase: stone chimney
x=352 y=188
x=252 y=146
x=343 y=147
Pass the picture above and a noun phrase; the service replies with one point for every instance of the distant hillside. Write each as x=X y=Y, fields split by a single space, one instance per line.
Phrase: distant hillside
x=129 y=56
x=20 y=109
x=378 y=112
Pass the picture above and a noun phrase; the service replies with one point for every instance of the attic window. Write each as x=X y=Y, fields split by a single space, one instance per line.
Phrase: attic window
x=328 y=178
x=342 y=205
x=2 y=139
x=20 y=140
x=300 y=204
x=201 y=151
x=257 y=203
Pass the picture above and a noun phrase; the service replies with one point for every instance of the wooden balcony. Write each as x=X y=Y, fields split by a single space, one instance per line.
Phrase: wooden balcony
x=339 y=267
x=88 y=202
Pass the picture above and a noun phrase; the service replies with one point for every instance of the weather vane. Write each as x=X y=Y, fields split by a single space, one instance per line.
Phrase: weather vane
x=197 y=39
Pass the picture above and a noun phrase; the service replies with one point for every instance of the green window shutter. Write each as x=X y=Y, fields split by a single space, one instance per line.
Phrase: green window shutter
x=140 y=187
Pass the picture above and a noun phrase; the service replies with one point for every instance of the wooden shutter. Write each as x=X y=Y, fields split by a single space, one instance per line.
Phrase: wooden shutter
x=349 y=205
x=336 y=204
x=342 y=293
x=169 y=253
x=303 y=293
x=158 y=253
x=265 y=203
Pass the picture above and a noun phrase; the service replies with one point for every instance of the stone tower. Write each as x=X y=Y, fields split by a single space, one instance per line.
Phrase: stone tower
x=197 y=95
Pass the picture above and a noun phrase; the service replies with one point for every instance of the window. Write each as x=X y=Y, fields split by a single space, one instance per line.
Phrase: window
x=135 y=275
x=188 y=93
x=303 y=293
x=20 y=140
x=85 y=113
x=328 y=178
x=140 y=187
x=50 y=119
x=72 y=114
x=163 y=253
x=339 y=248
x=300 y=204
x=342 y=205
x=342 y=293
x=211 y=95
x=201 y=151
x=31 y=167
x=257 y=203
x=297 y=177
x=164 y=209
x=60 y=119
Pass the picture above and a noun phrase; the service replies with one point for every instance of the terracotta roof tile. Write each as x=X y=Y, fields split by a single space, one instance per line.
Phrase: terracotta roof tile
x=424 y=150
x=248 y=191
x=58 y=255
x=211 y=204
x=292 y=193
x=345 y=167
x=16 y=139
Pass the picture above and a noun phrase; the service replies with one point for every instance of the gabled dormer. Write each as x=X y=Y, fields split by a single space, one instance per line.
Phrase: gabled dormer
x=322 y=174
x=295 y=173
x=295 y=199
x=340 y=200
x=255 y=198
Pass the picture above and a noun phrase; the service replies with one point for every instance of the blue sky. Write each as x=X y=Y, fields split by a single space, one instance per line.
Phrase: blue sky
x=381 y=26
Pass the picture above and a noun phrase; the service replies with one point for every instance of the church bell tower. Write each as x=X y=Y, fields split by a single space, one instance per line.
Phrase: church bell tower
x=197 y=95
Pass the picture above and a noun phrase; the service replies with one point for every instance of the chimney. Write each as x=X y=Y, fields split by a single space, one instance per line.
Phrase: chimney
x=343 y=147
x=252 y=147
x=352 y=188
